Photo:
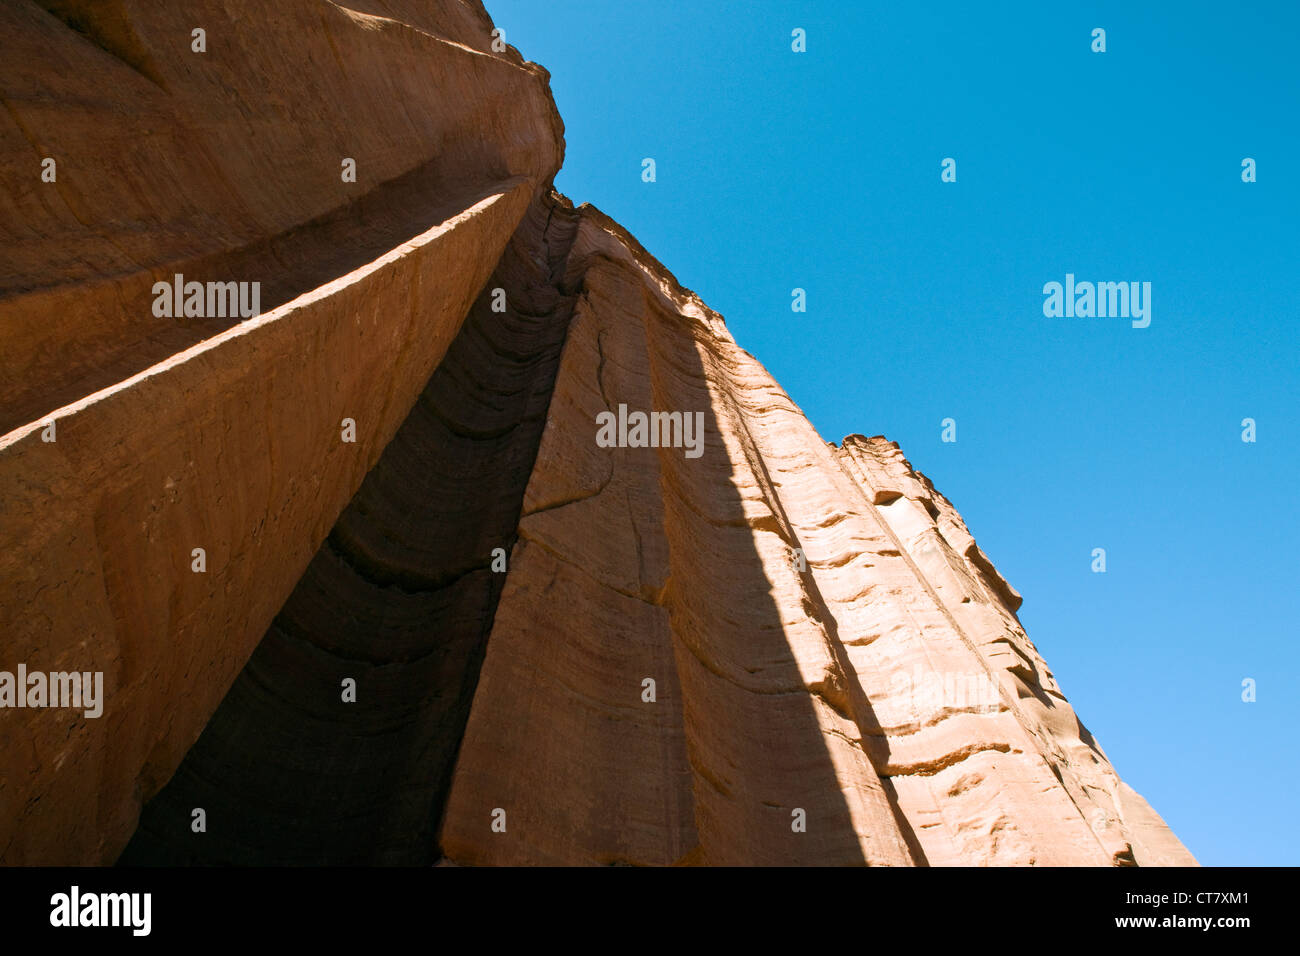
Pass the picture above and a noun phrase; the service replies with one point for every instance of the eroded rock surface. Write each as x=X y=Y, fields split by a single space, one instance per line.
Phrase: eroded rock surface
x=825 y=637
x=763 y=649
x=213 y=433
x=400 y=599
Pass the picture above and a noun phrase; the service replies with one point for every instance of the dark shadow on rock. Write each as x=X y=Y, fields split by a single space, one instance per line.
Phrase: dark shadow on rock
x=400 y=599
x=757 y=755
x=286 y=265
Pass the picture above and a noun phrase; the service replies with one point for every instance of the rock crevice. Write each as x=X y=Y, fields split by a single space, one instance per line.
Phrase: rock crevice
x=471 y=632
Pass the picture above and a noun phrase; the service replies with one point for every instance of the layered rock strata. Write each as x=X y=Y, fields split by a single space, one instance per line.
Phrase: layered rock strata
x=399 y=598
x=143 y=441
x=827 y=641
x=754 y=648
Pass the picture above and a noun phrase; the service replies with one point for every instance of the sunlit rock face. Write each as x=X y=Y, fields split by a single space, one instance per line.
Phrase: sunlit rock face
x=479 y=540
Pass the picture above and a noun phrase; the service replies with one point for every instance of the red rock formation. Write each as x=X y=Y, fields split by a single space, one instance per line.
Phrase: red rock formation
x=171 y=435
x=823 y=631
x=838 y=674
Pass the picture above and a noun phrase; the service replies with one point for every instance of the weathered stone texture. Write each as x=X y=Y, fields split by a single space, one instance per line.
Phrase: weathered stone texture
x=839 y=674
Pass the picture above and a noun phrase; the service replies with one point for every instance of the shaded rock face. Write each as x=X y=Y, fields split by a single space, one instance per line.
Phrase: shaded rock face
x=481 y=633
x=227 y=164
x=199 y=464
x=399 y=598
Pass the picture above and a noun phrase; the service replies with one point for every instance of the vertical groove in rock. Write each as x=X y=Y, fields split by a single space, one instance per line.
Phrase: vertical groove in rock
x=363 y=165
x=775 y=651
x=748 y=729
x=400 y=599
x=840 y=647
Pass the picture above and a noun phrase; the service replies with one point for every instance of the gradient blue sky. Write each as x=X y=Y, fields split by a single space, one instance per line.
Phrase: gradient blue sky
x=821 y=170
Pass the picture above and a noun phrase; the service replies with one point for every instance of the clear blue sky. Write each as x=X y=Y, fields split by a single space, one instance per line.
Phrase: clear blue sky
x=821 y=170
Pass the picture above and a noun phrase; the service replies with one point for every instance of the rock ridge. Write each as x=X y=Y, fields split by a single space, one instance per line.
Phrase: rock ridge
x=784 y=651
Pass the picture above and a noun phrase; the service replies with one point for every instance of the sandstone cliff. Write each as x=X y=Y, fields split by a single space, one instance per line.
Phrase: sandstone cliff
x=778 y=652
